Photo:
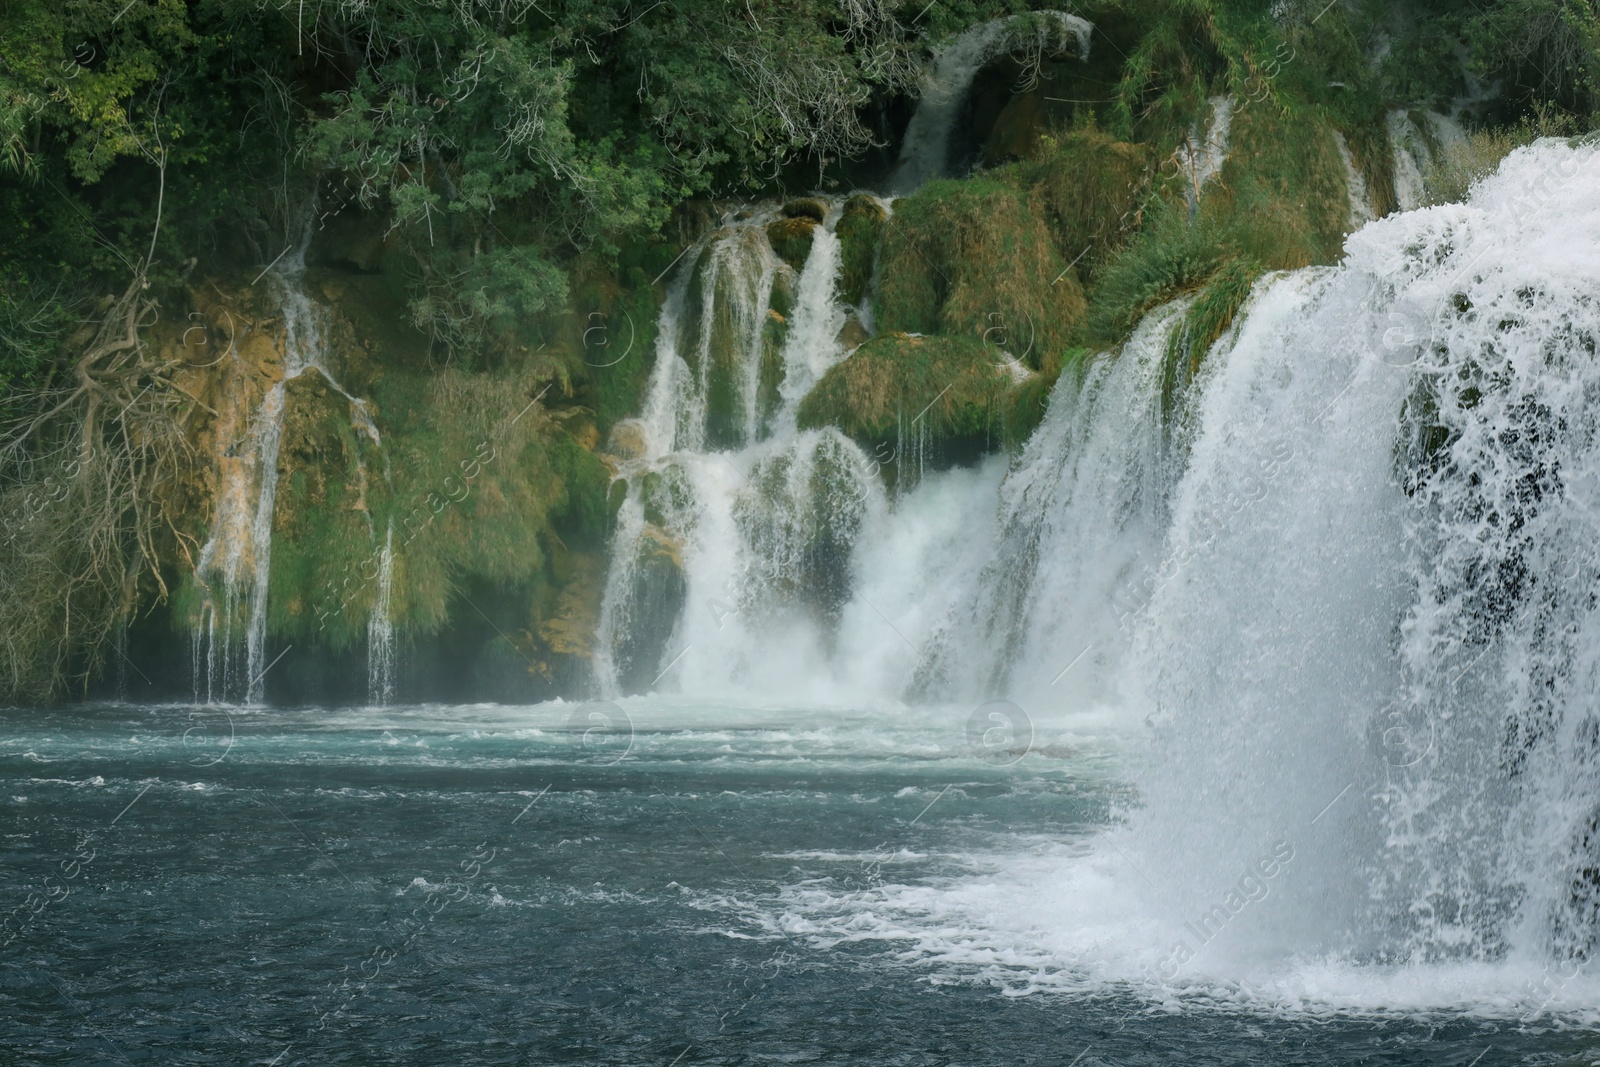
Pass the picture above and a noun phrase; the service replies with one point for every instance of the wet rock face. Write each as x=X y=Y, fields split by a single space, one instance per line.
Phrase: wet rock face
x=806 y=207
x=351 y=241
x=656 y=599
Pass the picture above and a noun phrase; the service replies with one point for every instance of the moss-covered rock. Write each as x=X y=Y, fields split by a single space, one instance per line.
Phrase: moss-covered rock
x=730 y=334
x=804 y=509
x=860 y=230
x=1017 y=130
x=653 y=603
x=1281 y=192
x=782 y=297
x=791 y=239
x=968 y=259
x=806 y=207
x=1085 y=185
x=852 y=335
x=944 y=388
x=1209 y=316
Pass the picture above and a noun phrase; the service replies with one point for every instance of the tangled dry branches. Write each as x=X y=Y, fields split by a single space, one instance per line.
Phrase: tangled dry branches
x=85 y=468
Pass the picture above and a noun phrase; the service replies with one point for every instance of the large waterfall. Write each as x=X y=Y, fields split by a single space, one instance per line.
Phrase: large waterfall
x=1345 y=582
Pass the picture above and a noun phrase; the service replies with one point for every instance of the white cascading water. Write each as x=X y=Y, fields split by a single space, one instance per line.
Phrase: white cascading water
x=1411 y=158
x=1094 y=476
x=1343 y=583
x=236 y=560
x=925 y=152
x=1355 y=185
x=380 y=629
x=756 y=527
x=1371 y=637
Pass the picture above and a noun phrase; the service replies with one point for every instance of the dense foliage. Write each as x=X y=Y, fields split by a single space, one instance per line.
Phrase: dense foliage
x=513 y=159
x=501 y=137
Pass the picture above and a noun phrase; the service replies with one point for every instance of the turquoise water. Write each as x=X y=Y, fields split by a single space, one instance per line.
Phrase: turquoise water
x=492 y=885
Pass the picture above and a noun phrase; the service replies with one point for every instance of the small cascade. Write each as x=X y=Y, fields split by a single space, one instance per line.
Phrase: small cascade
x=1200 y=161
x=728 y=546
x=235 y=564
x=812 y=345
x=1411 y=158
x=925 y=152
x=1095 y=476
x=380 y=630
x=716 y=339
x=1355 y=185
x=1374 y=634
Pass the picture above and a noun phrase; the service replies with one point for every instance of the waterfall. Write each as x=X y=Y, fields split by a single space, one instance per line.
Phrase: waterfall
x=1343 y=581
x=1411 y=158
x=812 y=345
x=731 y=547
x=1355 y=186
x=925 y=151
x=380 y=629
x=235 y=564
x=1356 y=617
x=1080 y=523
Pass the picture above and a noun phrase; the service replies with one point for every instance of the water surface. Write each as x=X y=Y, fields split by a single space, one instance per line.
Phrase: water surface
x=486 y=885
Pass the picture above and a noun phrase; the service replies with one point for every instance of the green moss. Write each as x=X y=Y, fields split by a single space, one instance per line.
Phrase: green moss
x=968 y=259
x=667 y=497
x=773 y=335
x=815 y=527
x=895 y=384
x=1281 y=194
x=859 y=230
x=806 y=207
x=1171 y=256
x=1084 y=184
x=729 y=337
x=478 y=478
x=791 y=239
x=1208 y=317
x=586 y=481
x=329 y=489
x=607 y=338
x=782 y=298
